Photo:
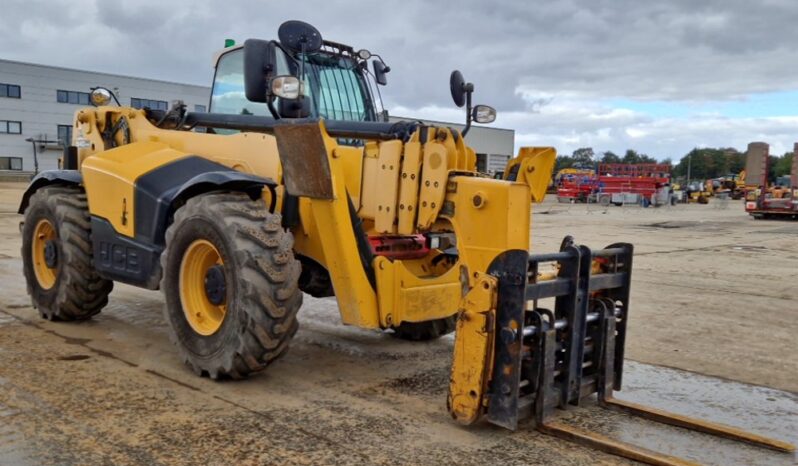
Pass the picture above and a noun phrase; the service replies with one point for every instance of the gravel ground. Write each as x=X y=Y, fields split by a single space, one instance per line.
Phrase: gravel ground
x=714 y=293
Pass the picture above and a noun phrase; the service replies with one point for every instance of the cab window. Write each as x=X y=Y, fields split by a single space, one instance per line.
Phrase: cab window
x=228 y=95
x=336 y=91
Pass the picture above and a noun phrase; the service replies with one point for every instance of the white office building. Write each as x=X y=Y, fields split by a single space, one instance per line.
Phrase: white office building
x=38 y=103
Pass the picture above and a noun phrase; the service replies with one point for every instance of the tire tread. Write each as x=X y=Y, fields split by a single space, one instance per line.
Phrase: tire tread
x=81 y=291
x=268 y=274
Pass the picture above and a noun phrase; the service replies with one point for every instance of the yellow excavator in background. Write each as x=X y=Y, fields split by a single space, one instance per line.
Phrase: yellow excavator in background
x=295 y=185
x=732 y=186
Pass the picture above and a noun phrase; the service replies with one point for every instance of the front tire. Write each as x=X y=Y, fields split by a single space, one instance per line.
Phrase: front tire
x=57 y=256
x=230 y=284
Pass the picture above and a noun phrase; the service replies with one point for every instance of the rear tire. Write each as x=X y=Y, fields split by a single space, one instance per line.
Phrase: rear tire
x=256 y=294
x=424 y=331
x=65 y=285
x=314 y=279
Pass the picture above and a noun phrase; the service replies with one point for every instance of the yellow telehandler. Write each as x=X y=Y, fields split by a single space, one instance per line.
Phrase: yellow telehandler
x=292 y=182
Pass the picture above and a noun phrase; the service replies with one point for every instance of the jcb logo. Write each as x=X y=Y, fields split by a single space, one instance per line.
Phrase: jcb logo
x=119 y=257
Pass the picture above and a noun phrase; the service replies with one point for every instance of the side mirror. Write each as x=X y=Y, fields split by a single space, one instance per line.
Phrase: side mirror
x=380 y=70
x=100 y=96
x=299 y=36
x=259 y=65
x=458 y=88
x=461 y=95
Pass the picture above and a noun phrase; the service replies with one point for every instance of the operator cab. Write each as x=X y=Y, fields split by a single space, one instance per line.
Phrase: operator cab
x=302 y=77
x=337 y=84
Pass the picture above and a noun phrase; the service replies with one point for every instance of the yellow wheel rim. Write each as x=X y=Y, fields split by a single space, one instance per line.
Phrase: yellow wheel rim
x=43 y=234
x=202 y=315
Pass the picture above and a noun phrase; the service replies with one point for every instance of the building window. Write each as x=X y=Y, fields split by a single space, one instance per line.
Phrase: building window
x=200 y=108
x=10 y=90
x=10 y=163
x=482 y=163
x=10 y=127
x=65 y=134
x=72 y=97
x=151 y=104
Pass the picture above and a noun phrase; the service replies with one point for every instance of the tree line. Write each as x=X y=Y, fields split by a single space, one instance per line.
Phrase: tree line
x=702 y=164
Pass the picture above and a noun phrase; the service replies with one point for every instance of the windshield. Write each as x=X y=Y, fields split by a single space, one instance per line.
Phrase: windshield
x=337 y=89
x=335 y=86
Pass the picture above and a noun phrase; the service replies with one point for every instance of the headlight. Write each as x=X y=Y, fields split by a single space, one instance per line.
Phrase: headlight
x=484 y=114
x=286 y=87
x=364 y=54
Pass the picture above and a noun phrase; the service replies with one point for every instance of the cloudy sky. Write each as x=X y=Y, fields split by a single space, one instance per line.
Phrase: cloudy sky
x=660 y=77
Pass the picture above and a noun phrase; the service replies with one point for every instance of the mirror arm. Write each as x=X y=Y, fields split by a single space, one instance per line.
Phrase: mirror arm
x=387 y=68
x=270 y=104
x=302 y=65
x=469 y=88
x=286 y=52
x=301 y=96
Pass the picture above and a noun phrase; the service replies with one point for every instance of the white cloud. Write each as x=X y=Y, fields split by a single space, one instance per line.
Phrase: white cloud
x=570 y=122
x=636 y=133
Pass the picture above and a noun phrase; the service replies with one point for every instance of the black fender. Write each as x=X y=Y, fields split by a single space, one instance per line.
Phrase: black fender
x=227 y=180
x=46 y=178
x=154 y=209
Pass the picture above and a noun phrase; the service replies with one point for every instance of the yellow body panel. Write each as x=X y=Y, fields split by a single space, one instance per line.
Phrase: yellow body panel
x=357 y=300
x=370 y=186
x=407 y=295
x=473 y=351
x=247 y=152
x=387 y=192
x=352 y=160
x=489 y=216
x=109 y=175
x=535 y=165
x=110 y=179
x=433 y=183
x=408 y=188
x=306 y=237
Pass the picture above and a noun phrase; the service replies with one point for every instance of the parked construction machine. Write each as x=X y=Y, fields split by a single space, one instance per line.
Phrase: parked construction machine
x=764 y=199
x=295 y=185
x=732 y=186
